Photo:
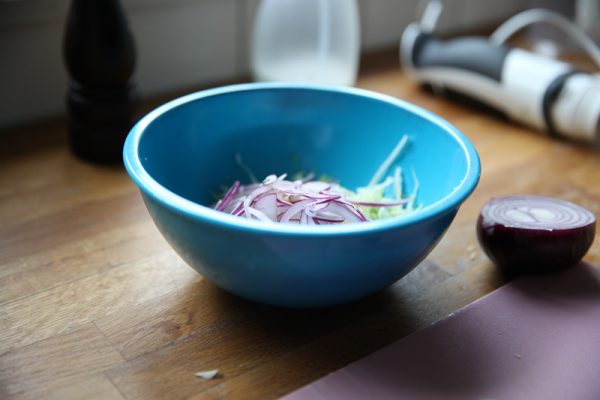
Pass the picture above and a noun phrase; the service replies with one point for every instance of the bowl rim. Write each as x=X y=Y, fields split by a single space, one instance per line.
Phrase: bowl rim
x=205 y=214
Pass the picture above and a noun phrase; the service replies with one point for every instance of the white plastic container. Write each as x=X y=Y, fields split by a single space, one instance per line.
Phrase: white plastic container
x=306 y=41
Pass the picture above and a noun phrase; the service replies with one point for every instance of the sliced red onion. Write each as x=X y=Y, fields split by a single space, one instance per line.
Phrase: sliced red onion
x=238 y=209
x=270 y=179
x=224 y=203
x=295 y=209
x=344 y=212
x=282 y=202
x=315 y=186
x=304 y=218
x=250 y=198
x=258 y=214
x=284 y=185
x=321 y=205
x=380 y=204
x=326 y=217
x=267 y=204
x=322 y=197
x=356 y=211
x=527 y=233
x=311 y=202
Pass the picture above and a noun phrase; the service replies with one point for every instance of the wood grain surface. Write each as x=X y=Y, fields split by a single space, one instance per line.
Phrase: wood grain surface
x=95 y=304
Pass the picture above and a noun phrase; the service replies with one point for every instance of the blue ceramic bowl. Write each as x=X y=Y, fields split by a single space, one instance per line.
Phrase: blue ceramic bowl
x=182 y=153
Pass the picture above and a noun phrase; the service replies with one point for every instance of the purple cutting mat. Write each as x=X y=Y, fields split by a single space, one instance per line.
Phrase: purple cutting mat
x=537 y=337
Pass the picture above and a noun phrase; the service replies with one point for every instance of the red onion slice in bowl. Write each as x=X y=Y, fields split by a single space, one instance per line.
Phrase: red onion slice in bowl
x=531 y=234
x=228 y=197
x=267 y=204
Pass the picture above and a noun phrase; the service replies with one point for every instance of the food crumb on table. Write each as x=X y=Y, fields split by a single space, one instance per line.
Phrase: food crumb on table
x=209 y=374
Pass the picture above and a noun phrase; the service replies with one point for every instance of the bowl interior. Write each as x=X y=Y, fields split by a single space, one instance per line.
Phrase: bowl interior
x=191 y=149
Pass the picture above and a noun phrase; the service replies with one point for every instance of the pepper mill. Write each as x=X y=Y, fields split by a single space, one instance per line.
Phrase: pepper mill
x=99 y=55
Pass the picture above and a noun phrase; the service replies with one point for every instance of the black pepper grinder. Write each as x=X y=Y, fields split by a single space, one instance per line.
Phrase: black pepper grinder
x=99 y=55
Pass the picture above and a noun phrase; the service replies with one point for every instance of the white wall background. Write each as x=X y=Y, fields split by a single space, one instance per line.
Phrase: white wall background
x=180 y=43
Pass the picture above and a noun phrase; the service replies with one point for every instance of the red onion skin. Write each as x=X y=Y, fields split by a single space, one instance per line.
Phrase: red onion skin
x=526 y=250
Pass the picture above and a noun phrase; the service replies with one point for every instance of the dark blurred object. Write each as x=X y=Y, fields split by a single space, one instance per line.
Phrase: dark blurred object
x=100 y=58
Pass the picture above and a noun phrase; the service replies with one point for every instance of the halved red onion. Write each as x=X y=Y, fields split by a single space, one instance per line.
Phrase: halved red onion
x=528 y=234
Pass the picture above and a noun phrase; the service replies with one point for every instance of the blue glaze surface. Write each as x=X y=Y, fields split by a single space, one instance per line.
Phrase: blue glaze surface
x=182 y=152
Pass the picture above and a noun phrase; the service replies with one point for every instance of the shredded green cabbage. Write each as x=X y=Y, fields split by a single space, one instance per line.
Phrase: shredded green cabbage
x=386 y=191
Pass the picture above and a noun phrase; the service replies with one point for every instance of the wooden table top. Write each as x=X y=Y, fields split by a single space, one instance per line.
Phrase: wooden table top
x=95 y=304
